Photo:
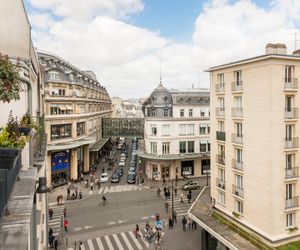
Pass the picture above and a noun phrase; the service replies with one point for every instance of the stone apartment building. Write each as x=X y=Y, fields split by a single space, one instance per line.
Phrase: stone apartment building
x=75 y=103
x=255 y=143
x=177 y=133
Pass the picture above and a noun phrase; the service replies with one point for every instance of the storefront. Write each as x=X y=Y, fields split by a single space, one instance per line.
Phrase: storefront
x=205 y=166
x=60 y=167
x=187 y=168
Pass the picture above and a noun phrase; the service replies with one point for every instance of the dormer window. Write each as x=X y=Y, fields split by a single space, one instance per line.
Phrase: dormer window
x=54 y=75
x=165 y=98
x=72 y=77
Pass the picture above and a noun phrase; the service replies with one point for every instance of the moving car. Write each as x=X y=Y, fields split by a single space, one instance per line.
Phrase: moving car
x=134 y=152
x=120 y=172
x=123 y=155
x=115 y=177
x=122 y=164
x=131 y=179
x=104 y=177
x=191 y=185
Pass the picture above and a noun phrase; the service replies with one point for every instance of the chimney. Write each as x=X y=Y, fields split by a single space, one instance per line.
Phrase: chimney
x=276 y=48
x=296 y=52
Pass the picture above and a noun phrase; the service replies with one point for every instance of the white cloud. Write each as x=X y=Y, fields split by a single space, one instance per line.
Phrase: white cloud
x=126 y=58
x=87 y=9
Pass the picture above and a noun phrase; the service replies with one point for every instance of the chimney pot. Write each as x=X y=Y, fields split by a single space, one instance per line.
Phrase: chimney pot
x=276 y=48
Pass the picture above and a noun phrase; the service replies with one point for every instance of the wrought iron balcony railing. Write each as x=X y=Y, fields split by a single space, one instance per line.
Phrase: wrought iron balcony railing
x=220 y=183
x=237 y=86
x=292 y=202
x=291 y=143
x=291 y=172
x=239 y=191
x=237 y=164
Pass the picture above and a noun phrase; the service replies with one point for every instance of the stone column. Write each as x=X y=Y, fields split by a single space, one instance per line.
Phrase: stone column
x=86 y=158
x=74 y=165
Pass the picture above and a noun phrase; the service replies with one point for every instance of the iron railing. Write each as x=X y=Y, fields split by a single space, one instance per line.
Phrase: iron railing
x=220 y=183
x=237 y=165
x=7 y=180
x=237 y=112
x=237 y=86
x=220 y=88
x=237 y=138
x=220 y=111
x=220 y=159
x=291 y=113
x=290 y=83
x=292 y=202
x=238 y=191
x=291 y=172
x=291 y=142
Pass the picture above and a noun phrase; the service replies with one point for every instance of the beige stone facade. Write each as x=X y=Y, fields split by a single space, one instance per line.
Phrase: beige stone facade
x=75 y=103
x=255 y=142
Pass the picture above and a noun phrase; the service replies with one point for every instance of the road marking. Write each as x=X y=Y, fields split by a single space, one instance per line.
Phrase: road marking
x=100 y=191
x=135 y=240
x=145 y=217
x=110 y=246
x=144 y=240
x=121 y=221
x=111 y=223
x=75 y=229
x=88 y=227
x=128 y=244
x=100 y=245
x=106 y=190
x=118 y=242
x=91 y=192
x=90 y=243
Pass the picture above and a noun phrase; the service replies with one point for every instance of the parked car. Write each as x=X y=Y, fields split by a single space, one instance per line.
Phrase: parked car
x=123 y=155
x=131 y=179
x=104 y=177
x=122 y=164
x=132 y=164
x=119 y=146
x=120 y=172
x=191 y=185
x=132 y=171
x=115 y=177
x=134 y=152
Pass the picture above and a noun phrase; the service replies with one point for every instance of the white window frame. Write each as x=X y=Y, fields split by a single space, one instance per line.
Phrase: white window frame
x=290 y=219
x=166 y=148
x=165 y=130
x=153 y=130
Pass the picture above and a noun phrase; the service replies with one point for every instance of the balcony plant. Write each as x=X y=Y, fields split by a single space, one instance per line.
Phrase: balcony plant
x=236 y=215
x=292 y=229
x=26 y=124
x=9 y=80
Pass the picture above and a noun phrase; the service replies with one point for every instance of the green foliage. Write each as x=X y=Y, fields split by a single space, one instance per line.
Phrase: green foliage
x=10 y=86
x=290 y=246
x=292 y=229
x=28 y=122
x=235 y=214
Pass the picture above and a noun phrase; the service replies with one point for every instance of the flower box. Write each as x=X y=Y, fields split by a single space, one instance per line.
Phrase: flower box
x=8 y=157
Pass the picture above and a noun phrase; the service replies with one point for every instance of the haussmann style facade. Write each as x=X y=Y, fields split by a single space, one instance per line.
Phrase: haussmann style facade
x=75 y=103
x=177 y=133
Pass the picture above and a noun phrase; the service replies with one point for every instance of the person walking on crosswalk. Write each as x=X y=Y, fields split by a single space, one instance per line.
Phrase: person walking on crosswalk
x=50 y=213
x=66 y=225
x=167 y=207
x=181 y=198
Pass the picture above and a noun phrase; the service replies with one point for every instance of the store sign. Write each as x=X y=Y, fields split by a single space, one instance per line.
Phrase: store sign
x=60 y=161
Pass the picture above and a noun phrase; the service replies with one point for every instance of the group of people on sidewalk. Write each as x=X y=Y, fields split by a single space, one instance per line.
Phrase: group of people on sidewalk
x=188 y=223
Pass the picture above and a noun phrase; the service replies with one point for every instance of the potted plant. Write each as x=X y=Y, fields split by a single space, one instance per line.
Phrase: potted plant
x=9 y=80
x=236 y=215
x=26 y=124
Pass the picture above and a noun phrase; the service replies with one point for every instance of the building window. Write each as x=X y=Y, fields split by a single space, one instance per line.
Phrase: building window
x=208 y=146
x=153 y=113
x=182 y=147
x=221 y=174
x=203 y=146
x=202 y=113
x=191 y=146
x=61 y=131
x=181 y=112
x=58 y=92
x=190 y=112
x=288 y=73
x=165 y=131
x=202 y=129
x=290 y=219
x=80 y=128
x=54 y=75
x=221 y=80
x=190 y=129
x=56 y=109
x=221 y=127
x=166 y=112
x=238 y=77
x=166 y=148
x=239 y=207
x=153 y=148
x=221 y=197
x=153 y=130
x=182 y=129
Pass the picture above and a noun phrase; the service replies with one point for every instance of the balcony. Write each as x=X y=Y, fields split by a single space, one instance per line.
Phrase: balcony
x=237 y=112
x=220 y=111
x=220 y=88
x=291 y=143
x=291 y=173
x=238 y=165
x=221 y=136
x=220 y=159
x=220 y=183
x=290 y=84
x=237 y=139
x=238 y=191
x=291 y=113
x=292 y=202
x=237 y=86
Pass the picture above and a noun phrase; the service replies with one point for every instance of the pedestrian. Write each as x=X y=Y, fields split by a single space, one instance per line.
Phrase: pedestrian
x=98 y=184
x=137 y=231
x=190 y=223
x=76 y=193
x=66 y=225
x=175 y=191
x=80 y=194
x=61 y=199
x=50 y=213
x=181 y=198
x=92 y=186
x=57 y=199
x=55 y=244
x=51 y=240
x=194 y=225
x=189 y=198
x=65 y=212
x=68 y=193
x=167 y=206
x=50 y=231
x=184 y=221
x=170 y=223
x=175 y=217
x=164 y=181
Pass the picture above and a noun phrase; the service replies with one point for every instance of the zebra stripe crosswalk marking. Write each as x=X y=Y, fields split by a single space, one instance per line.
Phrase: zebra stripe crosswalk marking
x=137 y=243
x=118 y=242
x=110 y=246
x=100 y=245
x=57 y=219
x=91 y=245
x=127 y=242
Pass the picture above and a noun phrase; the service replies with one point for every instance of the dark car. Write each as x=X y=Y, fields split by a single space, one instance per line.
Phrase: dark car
x=115 y=177
x=120 y=172
x=131 y=179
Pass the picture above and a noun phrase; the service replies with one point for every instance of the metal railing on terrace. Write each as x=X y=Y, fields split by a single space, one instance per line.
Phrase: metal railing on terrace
x=220 y=183
x=220 y=111
x=220 y=159
x=291 y=84
x=291 y=142
x=237 y=86
x=237 y=112
x=237 y=138
x=238 y=191
x=10 y=165
x=291 y=172
x=292 y=202
x=291 y=113
x=220 y=88
x=237 y=165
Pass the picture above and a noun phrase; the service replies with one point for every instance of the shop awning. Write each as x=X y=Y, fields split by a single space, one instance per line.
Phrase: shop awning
x=98 y=145
x=69 y=107
x=62 y=108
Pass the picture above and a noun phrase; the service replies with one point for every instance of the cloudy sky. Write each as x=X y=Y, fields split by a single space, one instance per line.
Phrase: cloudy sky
x=123 y=41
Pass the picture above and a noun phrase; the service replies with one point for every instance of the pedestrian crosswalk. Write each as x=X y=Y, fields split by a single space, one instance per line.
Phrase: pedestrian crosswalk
x=118 y=241
x=57 y=219
x=119 y=188
x=180 y=208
